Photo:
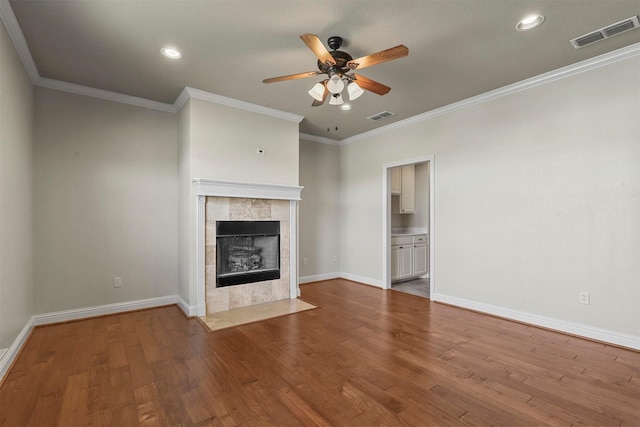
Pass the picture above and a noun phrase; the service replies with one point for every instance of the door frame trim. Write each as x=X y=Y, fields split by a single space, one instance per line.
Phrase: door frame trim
x=386 y=218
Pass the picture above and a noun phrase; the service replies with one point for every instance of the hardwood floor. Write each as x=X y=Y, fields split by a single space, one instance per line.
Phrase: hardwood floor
x=365 y=357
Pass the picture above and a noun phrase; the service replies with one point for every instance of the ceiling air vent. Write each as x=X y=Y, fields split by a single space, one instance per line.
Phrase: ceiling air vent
x=606 y=32
x=380 y=116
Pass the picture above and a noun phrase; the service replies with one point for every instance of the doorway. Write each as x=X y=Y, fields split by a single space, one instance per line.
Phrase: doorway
x=406 y=264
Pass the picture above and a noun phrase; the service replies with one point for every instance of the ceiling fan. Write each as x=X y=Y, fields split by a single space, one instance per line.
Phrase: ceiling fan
x=338 y=66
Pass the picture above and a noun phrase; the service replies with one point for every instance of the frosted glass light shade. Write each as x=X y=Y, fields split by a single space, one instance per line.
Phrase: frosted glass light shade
x=317 y=91
x=335 y=84
x=354 y=91
x=336 y=99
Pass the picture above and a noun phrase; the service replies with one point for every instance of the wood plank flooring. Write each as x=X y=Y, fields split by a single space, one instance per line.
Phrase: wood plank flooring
x=365 y=357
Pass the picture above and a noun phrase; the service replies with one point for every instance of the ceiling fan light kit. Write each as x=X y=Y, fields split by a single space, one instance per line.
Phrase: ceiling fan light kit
x=317 y=91
x=337 y=65
x=335 y=84
x=336 y=99
x=354 y=91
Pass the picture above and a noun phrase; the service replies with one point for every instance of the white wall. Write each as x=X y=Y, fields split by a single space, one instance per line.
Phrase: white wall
x=105 y=201
x=224 y=143
x=537 y=198
x=16 y=201
x=319 y=225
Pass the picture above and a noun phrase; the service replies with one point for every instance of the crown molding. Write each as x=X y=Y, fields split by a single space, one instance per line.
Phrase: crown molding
x=18 y=40
x=321 y=139
x=551 y=76
x=189 y=92
x=104 y=94
x=181 y=100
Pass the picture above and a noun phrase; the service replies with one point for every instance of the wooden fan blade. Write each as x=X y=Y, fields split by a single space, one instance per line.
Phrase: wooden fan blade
x=399 y=51
x=371 y=85
x=292 y=77
x=318 y=48
x=317 y=103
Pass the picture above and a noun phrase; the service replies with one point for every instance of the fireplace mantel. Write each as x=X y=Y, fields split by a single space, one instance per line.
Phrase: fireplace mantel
x=221 y=188
x=249 y=190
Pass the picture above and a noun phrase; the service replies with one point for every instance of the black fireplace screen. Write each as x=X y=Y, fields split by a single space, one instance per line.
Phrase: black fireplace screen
x=247 y=252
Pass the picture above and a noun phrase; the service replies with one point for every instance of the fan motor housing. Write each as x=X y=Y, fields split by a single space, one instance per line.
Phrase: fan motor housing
x=340 y=66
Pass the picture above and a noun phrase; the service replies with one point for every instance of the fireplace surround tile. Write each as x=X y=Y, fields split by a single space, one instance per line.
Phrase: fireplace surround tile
x=210 y=254
x=245 y=209
x=218 y=300
x=238 y=296
x=262 y=294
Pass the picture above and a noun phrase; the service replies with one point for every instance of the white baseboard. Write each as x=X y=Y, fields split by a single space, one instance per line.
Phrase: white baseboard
x=341 y=275
x=613 y=337
x=101 y=310
x=318 y=277
x=10 y=354
x=366 y=280
x=188 y=310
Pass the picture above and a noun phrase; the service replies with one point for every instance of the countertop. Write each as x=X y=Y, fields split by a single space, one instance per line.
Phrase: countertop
x=412 y=231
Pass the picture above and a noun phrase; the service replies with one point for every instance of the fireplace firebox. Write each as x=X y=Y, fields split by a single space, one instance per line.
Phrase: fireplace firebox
x=247 y=252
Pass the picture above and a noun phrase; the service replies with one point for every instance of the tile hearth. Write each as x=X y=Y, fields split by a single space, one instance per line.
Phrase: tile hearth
x=256 y=313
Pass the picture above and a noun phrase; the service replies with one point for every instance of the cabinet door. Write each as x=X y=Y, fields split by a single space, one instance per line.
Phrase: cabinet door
x=405 y=258
x=395 y=263
x=396 y=180
x=408 y=194
x=420 y=254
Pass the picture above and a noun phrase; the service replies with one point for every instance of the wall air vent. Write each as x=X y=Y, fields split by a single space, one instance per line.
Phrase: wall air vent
x=606 y=32
x=380 y=116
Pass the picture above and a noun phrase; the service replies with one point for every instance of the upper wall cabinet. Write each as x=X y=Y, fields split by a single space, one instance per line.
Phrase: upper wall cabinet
x=396 y=180
x=403 y=184
x=408 y=192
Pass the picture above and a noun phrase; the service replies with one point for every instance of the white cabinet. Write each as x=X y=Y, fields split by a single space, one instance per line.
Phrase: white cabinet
x=409 y=255
x=403 y=184
x=401 y=261
x=420 y=255
x=396 y=180
x=408 y=192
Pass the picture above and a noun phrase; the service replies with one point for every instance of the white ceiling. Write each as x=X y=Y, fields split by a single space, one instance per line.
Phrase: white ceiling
x=457 y=48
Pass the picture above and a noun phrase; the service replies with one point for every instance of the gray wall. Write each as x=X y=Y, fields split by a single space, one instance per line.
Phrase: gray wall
x=319 y=214
x=537 y=198
x=105 y=201
x=16 y=169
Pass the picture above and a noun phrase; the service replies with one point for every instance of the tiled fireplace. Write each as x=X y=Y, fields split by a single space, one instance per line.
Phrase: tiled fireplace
x=254 y=227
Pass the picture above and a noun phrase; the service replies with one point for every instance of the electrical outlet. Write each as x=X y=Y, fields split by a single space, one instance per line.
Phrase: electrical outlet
x=335 y=258
x=584 y=298
x=117 y=282
x=305 y=261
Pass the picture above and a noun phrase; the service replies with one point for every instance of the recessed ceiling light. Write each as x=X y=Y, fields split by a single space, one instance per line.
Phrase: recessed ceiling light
x=529 y=22
x=171 y=53
x=345 y=107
